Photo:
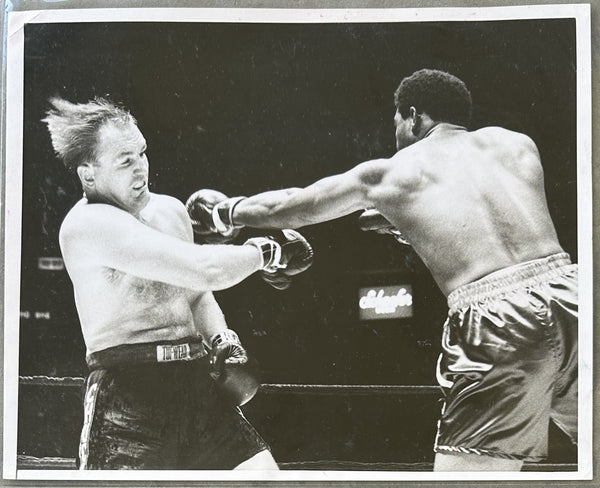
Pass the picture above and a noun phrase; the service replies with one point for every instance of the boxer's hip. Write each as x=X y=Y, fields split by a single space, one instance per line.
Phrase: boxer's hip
x=519 y=277
x=509 y=359
x=161 y=352
x=155 y=406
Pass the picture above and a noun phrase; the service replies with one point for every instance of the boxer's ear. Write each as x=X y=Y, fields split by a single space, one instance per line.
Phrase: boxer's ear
x=86 y=175
x=415 y=120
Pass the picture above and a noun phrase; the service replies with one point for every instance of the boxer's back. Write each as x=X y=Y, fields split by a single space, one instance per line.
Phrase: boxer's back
x=470 y=203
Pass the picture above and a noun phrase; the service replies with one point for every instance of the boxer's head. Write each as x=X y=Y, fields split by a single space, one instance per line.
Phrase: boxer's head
x=102 y=143
x=74 y=127
x=436 y=94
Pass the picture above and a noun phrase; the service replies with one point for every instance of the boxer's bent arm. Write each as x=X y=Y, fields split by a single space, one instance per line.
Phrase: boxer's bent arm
x=208 y=316
x=326 y=199
x=106 y=236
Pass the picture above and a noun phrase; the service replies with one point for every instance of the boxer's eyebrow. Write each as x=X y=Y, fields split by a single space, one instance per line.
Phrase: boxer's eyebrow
x=129 y=152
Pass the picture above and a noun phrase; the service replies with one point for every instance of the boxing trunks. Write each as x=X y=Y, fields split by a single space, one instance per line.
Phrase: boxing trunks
x=509 y=361
x=154 y=406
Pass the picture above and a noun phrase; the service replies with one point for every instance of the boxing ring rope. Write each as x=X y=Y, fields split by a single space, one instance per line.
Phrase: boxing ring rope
x=290 y=388
x=31 y=462
x=349 y=389
x=41 y=380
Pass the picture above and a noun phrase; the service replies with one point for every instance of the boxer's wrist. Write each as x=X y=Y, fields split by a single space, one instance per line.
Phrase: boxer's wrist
x=270 y=252
x=222 y=215
x=224 y=336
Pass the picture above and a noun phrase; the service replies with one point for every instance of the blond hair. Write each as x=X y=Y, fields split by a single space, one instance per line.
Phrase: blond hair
x=74 y=127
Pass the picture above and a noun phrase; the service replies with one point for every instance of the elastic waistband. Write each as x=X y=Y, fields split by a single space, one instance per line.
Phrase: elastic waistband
x=509 y=279
x=187 y=349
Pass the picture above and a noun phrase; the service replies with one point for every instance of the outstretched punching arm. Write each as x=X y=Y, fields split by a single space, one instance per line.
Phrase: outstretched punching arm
x=326 y=199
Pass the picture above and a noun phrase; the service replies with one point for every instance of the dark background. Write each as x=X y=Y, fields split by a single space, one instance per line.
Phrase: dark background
x=245 y=108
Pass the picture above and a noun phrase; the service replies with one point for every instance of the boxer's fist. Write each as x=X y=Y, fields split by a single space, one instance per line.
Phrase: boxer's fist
x=283 y=255
x=236 y=375
x=372 y=220
x=200 y=207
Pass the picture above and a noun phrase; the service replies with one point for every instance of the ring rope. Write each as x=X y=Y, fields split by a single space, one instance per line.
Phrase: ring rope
x=296 y=388
x=41 y=380
x=290 y=388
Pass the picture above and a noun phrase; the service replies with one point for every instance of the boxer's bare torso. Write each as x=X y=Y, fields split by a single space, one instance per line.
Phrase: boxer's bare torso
x=116 y=307
x=470 y=203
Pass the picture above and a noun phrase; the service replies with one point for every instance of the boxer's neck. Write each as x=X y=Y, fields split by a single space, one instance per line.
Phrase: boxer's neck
x=444 y=127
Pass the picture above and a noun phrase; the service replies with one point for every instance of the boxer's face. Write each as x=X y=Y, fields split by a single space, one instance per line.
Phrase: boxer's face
x=121 y=167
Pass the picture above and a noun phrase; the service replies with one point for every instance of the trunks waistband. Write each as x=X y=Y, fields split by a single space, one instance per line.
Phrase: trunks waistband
x=148 y=352
x=509 y=279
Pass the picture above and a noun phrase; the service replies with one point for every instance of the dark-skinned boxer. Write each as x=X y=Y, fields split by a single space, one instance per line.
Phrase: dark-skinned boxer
x=166 y=374
x=473 y=207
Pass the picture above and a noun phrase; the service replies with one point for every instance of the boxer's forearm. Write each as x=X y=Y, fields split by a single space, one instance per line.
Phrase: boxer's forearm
x=208 y=316
x=219 y=267
x=327 y=199
x=275 y=209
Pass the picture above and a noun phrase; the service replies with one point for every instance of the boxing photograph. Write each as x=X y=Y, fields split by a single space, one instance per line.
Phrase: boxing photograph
x=298 y=244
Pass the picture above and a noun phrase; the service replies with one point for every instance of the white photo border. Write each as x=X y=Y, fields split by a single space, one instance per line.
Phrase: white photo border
x=13 y=200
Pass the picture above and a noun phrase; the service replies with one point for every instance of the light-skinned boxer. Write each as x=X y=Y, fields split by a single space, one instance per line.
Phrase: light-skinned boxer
x=166 y=373
x=472 y=204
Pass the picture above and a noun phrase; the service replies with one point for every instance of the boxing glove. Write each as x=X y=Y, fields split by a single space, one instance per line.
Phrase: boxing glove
x=200 y=207
x=235 y=374
x=283 y=255
x=372 y=220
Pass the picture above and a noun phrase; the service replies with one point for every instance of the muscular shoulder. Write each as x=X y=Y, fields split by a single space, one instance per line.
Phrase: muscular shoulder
x=401 y=170
x=85 y=214
x=511 y=140
x=171 y=207
x=169 y=204
x=86 y=219
x=168 y=214
x=513 y=150
x=407 y=166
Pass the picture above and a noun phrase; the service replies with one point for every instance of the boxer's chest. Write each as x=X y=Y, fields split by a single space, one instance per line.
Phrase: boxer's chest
x=144 y=290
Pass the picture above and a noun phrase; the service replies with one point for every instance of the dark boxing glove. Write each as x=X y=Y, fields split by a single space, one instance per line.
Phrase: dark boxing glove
x=283 y=256
x=201 y=209
x=372 y=220
x=236 y=375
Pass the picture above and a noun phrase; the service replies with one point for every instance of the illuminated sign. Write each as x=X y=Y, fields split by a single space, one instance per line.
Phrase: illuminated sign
x=50 y=264
x=26 y=314
x=385 y=302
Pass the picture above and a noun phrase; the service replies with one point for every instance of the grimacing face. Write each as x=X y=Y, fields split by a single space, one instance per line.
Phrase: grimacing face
x=121 y=167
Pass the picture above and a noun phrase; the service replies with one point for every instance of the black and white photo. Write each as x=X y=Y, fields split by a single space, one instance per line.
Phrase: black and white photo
x=341 y=244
